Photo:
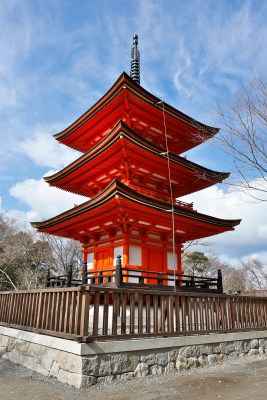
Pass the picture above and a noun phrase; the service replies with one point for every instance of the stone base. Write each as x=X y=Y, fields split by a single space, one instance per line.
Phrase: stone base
x=80 y=364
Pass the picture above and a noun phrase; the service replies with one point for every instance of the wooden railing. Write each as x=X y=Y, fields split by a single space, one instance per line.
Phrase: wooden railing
x=56 y=312
x=92 y=312
x=129 y=277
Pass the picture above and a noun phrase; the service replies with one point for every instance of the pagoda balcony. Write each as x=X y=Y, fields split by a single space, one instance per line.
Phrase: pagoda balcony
x=132 y=277
x=160 y=195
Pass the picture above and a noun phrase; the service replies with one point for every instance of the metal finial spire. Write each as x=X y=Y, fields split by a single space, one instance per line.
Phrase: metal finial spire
x=135 y=63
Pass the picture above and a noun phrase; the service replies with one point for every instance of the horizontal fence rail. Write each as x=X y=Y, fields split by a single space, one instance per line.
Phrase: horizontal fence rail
x=91 y=312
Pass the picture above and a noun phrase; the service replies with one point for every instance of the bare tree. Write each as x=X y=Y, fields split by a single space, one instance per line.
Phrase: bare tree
x=21 y=257
x=243 y=137
x=65 y=253
x=256 y=273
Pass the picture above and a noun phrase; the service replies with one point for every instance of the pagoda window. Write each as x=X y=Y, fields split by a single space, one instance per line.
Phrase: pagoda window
x=135 y=255
x=171 y=261
x=118 y=251
x=90 y=260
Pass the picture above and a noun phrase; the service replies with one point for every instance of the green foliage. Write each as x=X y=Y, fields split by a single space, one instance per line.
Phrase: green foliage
x=196 y=262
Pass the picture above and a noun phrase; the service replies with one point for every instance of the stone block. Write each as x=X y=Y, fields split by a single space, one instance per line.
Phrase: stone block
x=71 y=378
x=67 y=361
x=172 y=355
x=221 y=357
x=181 y=363
x=104 y=367
x=133 y=361
x=205 y=350
x=2 y=350
x=212 y=358
x=254 y=344
x=25 y=348
x=190 y=351
x=4 y=341
x=119 y=363
x=27 y=361
x=51 y=356
x=54 y=369
x=158 y=358
x=253 y=352
x=239 y=345
x=87 y=381
x=246 y=347
x=203 y=361
x=90 y=365
x=226 y=348
x=126 y=376
x=141 y=370
x=13 y=356
x=104 y=380
x=41 y=370
x=170 y=368
x=156 y=370
x=192 y=362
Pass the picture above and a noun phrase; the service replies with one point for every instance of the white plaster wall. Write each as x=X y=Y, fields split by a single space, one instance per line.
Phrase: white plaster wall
x=135 y=255
x=118 y=251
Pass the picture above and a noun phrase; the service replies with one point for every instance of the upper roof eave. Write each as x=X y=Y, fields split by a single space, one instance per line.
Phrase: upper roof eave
x=124 y=79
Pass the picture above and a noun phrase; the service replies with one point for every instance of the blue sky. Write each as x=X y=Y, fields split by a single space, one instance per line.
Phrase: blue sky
x=59 y=57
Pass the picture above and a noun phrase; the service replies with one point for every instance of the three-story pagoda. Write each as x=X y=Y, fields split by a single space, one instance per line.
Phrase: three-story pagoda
x=132 y=172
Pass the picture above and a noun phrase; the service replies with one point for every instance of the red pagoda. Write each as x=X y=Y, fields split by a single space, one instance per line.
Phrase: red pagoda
x=132 y=172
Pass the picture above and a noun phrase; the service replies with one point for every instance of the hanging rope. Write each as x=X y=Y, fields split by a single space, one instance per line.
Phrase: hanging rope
x=171 y=193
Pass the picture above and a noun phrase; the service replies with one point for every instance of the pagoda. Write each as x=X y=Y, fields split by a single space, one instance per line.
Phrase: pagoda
x=133 y=173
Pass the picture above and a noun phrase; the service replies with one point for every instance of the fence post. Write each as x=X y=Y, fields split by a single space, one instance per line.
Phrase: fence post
x=69 y=276
x=118 y=272
x=84 y=272
x=160 y=280
x=219 y=282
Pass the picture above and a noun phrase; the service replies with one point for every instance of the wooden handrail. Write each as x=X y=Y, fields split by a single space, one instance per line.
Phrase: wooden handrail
x=82 y=314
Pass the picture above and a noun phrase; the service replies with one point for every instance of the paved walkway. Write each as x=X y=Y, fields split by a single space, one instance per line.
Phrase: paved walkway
x=243 y=378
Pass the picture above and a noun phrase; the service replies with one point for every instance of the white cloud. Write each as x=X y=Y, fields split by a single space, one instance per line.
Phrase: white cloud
x=44 y=201
x=45 y=151
x=262 y=231
x=250 y=236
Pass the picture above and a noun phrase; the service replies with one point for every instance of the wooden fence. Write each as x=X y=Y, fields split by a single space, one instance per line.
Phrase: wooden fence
x=92 y=312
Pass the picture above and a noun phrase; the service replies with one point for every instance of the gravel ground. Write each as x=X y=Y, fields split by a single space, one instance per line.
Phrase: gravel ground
x=243 y=378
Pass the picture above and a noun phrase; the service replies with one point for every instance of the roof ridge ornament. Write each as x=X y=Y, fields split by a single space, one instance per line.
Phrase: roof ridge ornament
x=135 y=63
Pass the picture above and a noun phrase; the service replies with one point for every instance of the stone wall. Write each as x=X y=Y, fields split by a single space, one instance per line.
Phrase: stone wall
x=105 y=368
x=101 y=362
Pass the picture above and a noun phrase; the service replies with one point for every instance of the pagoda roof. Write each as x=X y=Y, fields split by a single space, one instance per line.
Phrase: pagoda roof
x=143 y=112
x=126 y=155
x=120 y=207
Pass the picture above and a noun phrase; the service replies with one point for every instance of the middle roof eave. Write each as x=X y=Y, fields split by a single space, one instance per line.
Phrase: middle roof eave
x=113 y=135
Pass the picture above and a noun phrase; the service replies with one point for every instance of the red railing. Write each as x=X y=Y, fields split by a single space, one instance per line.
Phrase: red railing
x=155 y=194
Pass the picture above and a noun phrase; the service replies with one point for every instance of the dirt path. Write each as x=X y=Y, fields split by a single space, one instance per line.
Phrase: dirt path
x=243 y=378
